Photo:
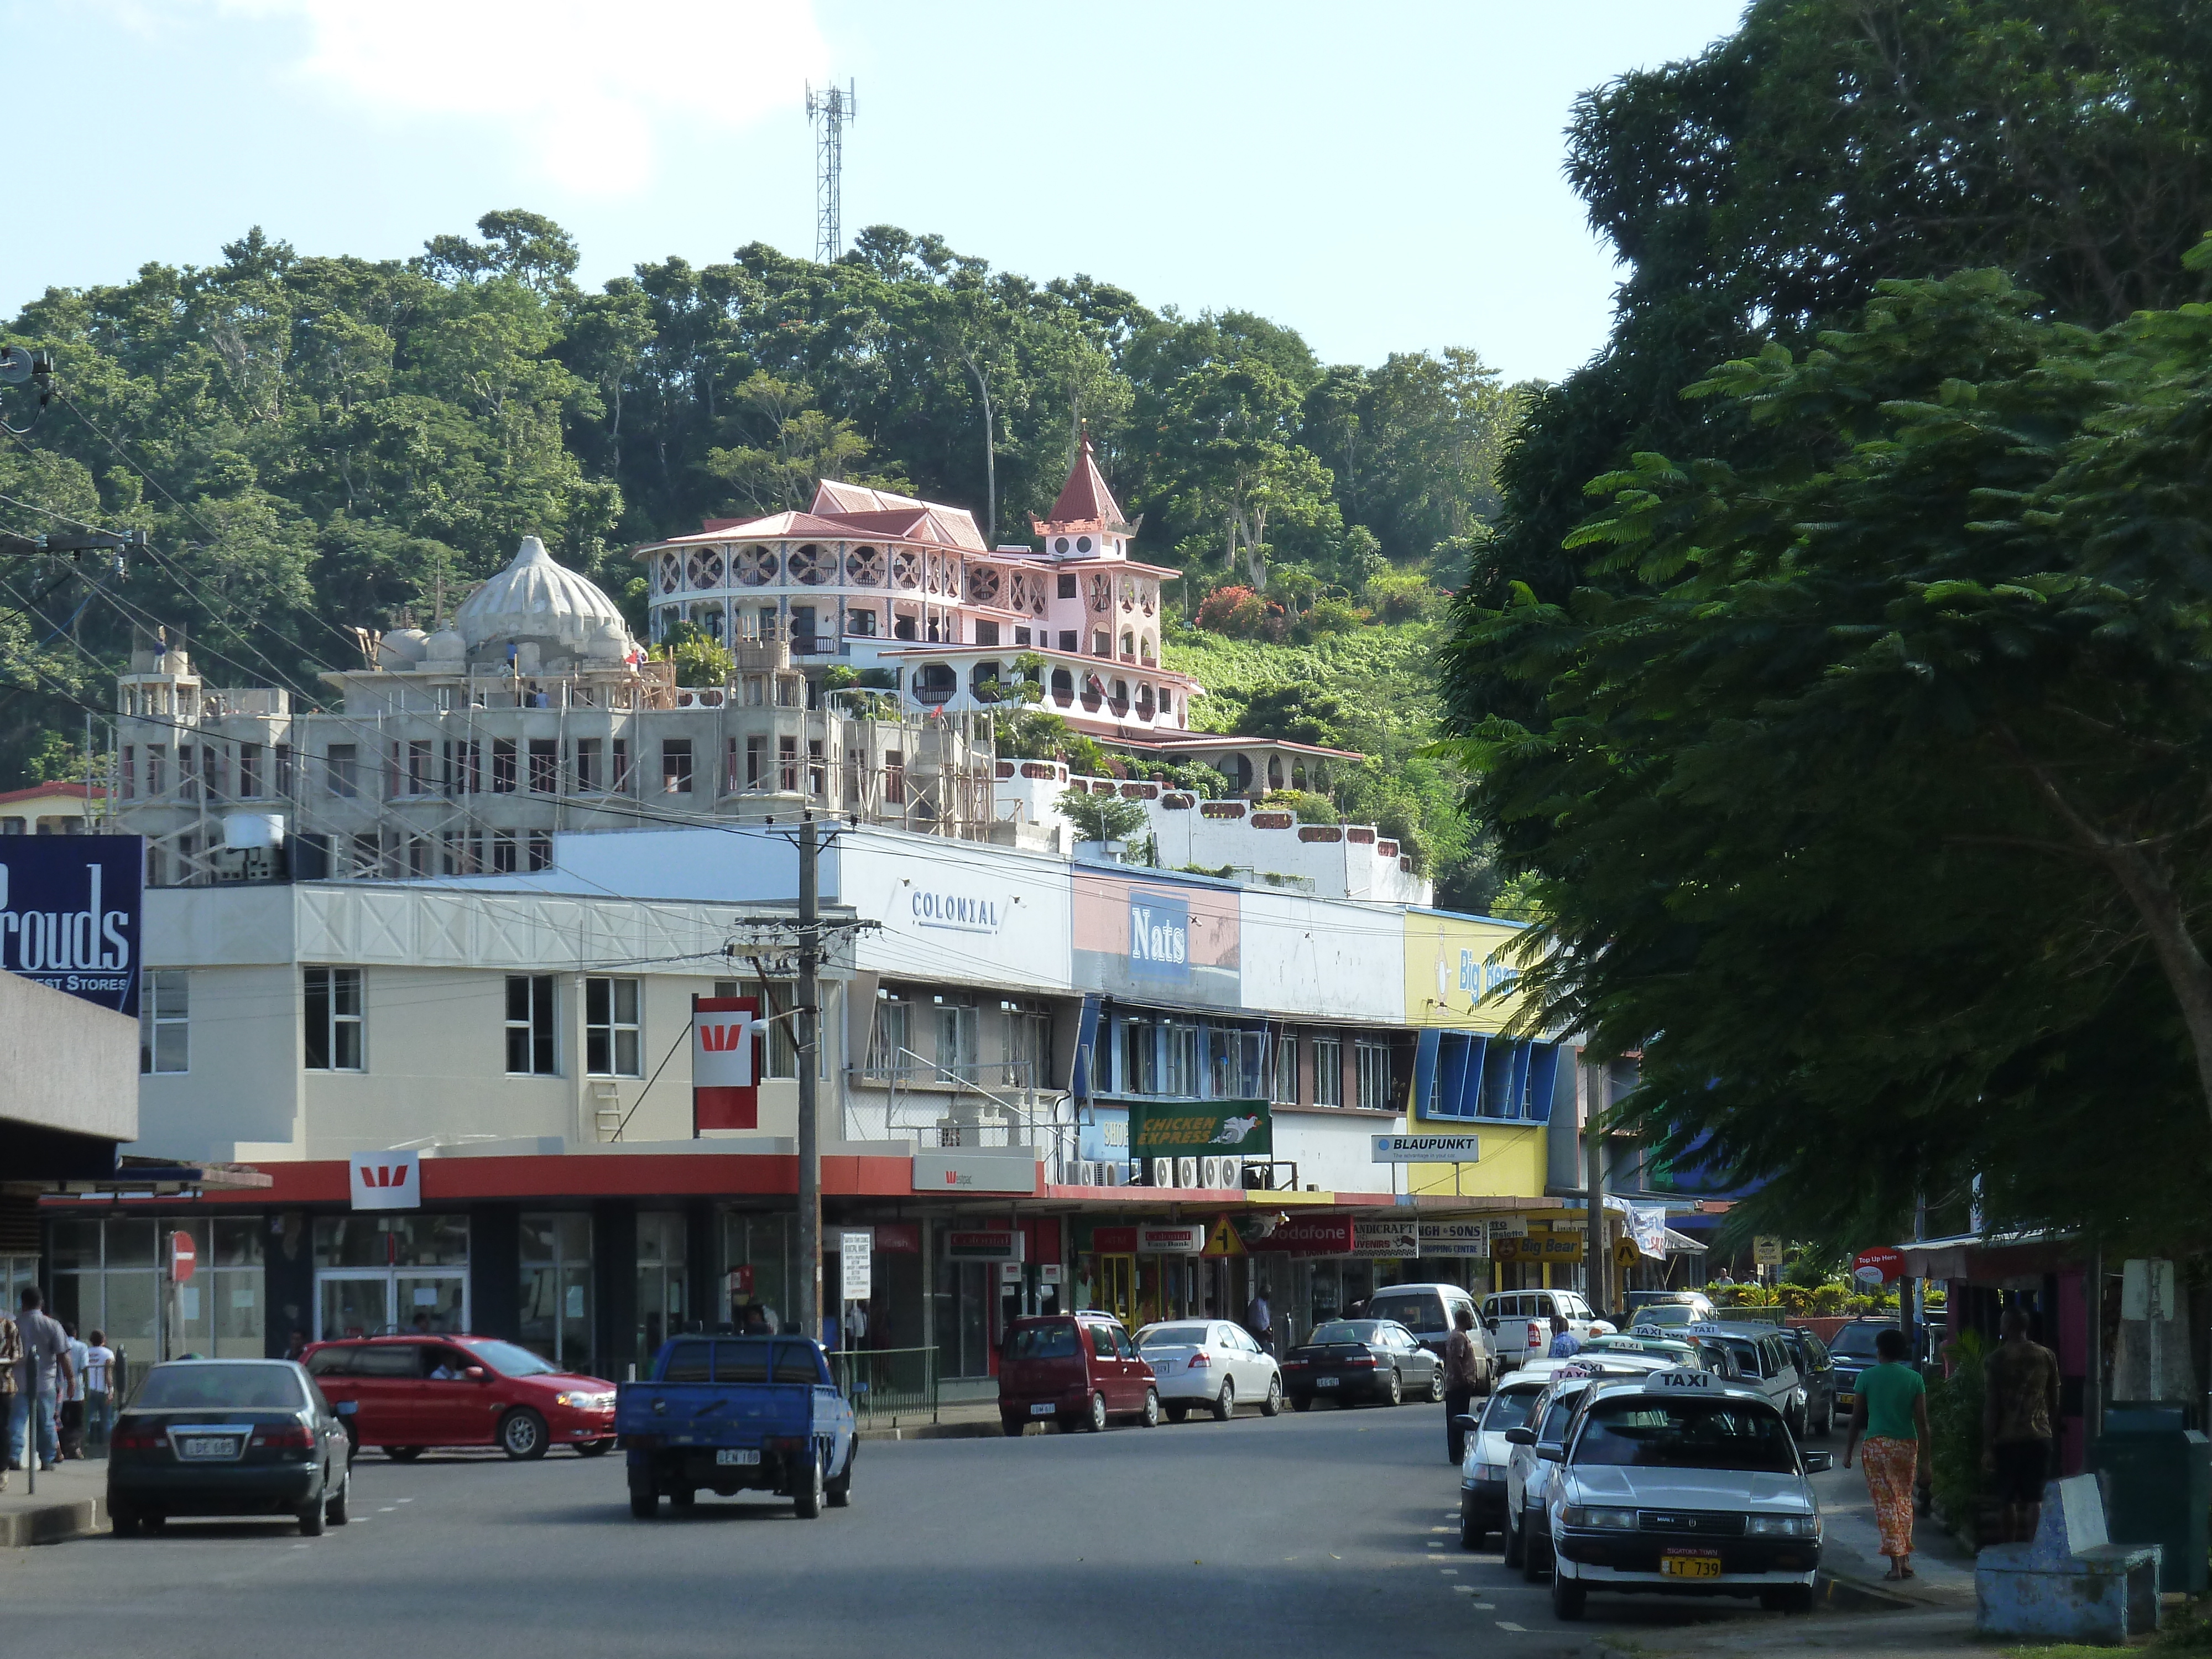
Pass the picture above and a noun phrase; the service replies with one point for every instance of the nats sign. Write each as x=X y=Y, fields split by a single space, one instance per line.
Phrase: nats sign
x=725 y=1039
x=386 y=1181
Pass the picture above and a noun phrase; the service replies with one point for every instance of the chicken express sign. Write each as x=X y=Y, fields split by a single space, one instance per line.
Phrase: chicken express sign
x=1195 y=1128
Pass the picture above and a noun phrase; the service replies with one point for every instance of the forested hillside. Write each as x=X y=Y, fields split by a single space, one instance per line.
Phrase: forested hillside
x=316 y=443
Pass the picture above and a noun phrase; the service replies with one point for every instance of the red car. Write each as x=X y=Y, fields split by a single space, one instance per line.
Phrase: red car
x=1071 y=1369
x=406 y=1392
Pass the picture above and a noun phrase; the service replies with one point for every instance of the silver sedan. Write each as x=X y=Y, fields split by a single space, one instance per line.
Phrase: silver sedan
x=1210 y=1363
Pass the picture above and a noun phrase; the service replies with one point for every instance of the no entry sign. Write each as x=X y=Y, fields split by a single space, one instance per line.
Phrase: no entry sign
x=183 y=1257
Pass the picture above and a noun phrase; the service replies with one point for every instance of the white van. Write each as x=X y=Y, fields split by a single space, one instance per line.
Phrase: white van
x=1519 y=1322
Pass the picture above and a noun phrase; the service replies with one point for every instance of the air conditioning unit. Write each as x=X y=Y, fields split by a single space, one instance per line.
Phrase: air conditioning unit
x=1113 y=1175
x=1164 y=1172
x=1220 y=1171
x=1186 y=1172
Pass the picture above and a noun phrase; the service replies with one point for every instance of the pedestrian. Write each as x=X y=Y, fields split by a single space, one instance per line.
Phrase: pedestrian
x=2017 y=1415
x=1891 y=1411
x=99 y=1370
x=43 y=1373
x=11 y=1352
x=72 y=1402
x=295 y=1346
x=1566 y=1344
x=1461 y=1376
x=1260 y=1320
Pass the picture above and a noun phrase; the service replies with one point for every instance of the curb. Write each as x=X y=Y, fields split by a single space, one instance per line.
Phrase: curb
x=992 y=1430
x=1853 y=1595
x=50 y=1524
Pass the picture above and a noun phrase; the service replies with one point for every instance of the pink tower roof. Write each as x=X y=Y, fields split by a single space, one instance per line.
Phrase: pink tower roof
x=1085 y=502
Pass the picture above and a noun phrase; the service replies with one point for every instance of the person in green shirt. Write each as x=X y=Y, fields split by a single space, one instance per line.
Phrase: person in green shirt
x=1891 y=1413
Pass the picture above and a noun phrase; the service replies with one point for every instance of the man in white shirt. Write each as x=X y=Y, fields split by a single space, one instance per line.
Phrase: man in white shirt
x=99 y=1368
x=71 y=1399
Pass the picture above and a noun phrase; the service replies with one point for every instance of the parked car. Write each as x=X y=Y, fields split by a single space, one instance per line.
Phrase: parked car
x=1528 y=1471
x=1686 y=1483
x=1816 y=1375
x=1348 y=1359
x=1210 y=1363
x=1763 y=1362
x=1482 y=1465
x=1073 y=1369
x=738 y=1414
x=1519 y=1322
x=1671 y=1318
x=1851 y=1351
x=1715 y=1359
x=407 y=1393
x=1638 y=1302
x=1430 y=1312
x=228 y=1436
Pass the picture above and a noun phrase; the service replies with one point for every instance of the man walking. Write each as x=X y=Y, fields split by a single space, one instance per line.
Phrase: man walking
x=43 y=1373
x=1566 y=1344
x=11 y=1354
x=1460 y=1379
x=2018 y=1419
x=1260 y=1320
x=99 y=1369
x=70 y=1403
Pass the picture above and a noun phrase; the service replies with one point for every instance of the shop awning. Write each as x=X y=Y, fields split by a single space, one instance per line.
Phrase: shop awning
x=1683 y=1244
x=1952 y=1257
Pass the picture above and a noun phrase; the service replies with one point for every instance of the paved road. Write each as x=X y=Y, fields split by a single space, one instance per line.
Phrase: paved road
x=1330 y=1533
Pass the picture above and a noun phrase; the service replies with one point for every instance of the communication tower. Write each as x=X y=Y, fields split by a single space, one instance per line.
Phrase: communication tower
x=826 y=113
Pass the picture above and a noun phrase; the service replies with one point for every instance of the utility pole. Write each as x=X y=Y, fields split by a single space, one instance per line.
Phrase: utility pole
x=831 y=110
x=809 y=1065
x=1594 y=1187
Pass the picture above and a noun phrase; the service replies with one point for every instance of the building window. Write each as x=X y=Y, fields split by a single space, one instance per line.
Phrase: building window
x=556 y=1288
x=1233 y=1063
x=341 y=766
x=1373 y=1060
x=1286 y=1080
x=755 y=760
x=1068 y=587
x=618 y=764
x=502 y=854
x=894 y=777
x=613 y=1042
x=1180 y=1075
x=249 y=771
x=817 y=770
x=541 y=852
x=333 y=1020
x=544 y=766
x=587 y=765
x=676 y=767
x=529 y=1045
x=891 y=1037
x=956 y=1037
x=787 y=765
x=164 y=1009
x=1029 y=1045
x=1328 y=1071
x=1101 y=643
x=1140 y=1057
x=502 y=766
x=987 y=633
x=861 y=624
x=1021 y=636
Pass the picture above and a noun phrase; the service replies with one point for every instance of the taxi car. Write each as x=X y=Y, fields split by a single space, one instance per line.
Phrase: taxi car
x=1764 y=1362
x=1682 y=1482
x=1482 y=1465
x=1529 y=1472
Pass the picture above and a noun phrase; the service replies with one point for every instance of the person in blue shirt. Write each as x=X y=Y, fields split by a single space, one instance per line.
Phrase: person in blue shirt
x=1566 y=1344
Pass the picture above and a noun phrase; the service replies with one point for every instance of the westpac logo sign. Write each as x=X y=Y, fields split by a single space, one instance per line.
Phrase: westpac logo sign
x=69 y=914
x=725 y=1037
x=1159 y=937
x=386 y=1181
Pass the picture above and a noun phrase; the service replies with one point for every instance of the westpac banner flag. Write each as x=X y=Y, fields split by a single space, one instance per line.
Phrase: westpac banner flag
x=726 y=1037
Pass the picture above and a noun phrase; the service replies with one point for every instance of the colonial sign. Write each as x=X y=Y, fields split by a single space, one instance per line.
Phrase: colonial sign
x=984 y=1243
x=386 y=1181
x=1195 y=1128
x=725 y=1037
x=956 y=912
x=1165 y=1240
x=69 y=914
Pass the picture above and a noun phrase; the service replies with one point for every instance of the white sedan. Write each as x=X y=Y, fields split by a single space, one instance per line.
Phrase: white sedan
x=1210 y=1363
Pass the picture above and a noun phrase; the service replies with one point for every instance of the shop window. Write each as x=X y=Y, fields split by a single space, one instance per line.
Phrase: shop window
x=613 y=1036
x=164 y=1013
x=334 y=1023
x=556 y=1288
x=530 y=1046
x=1328 y=1071
x=661 y=1306
x=1372 y=1061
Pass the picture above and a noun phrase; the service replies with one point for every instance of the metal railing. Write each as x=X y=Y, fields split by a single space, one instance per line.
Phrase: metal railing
x=888 y=1383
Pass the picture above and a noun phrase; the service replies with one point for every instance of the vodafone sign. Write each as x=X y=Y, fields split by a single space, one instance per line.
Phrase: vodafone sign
x=1882 y=1264
x=725 y=1039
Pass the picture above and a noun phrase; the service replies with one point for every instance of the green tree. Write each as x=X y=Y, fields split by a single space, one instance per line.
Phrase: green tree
x=1102 y=817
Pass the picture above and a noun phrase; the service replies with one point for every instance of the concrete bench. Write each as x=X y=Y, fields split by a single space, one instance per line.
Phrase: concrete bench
x=2072 y=1584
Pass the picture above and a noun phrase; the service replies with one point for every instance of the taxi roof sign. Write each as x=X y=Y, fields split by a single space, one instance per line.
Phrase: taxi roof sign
x=1681 y=1379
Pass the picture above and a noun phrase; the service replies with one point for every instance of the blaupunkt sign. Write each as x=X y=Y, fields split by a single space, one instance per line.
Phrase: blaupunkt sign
x=69 y=914
x=1209 y=1129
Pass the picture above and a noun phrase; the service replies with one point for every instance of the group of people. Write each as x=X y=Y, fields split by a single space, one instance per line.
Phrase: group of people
x=56 y=1386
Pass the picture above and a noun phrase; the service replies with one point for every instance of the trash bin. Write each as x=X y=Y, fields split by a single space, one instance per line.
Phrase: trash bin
x=2157 y=1477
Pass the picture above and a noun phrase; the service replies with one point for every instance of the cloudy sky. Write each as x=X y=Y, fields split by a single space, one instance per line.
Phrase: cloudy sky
x=1381 y=177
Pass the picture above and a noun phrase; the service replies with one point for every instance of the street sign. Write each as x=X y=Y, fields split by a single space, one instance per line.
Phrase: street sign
x=1456 y=1238
x=1766 y=1252
x=985 y=1243
x=1626 y=1254
x=726 y=1040
x=183 y=1258
x=1223 y=1240
x=1170 y=1240
x=1882 y=1264
x=1426 y=1149
x=855 y=1249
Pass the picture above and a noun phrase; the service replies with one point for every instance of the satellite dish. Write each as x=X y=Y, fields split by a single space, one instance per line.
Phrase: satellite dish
x=17 y=365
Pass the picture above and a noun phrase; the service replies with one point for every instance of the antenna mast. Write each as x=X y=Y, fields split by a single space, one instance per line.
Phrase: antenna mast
x=828 y=111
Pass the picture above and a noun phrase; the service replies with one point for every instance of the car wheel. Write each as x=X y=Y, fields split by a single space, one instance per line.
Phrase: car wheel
x=1789 y=1598
x=1096 y=1420
x=311 y=1519
x=683 y=1497
x=522 y=1434
x=1535 y=1558
x=1224 y=1403
x=1013 y=1425
x=1470 y=1536
x=1301 y=1402
x=1569 y=1598
x=1273 y=1403
x=124 y=1520
x=644 y=1504
x=334 y=1506
x=403 y=1454
x=1436 y=1386
x=840 y=1490
x=594 y=1447
x=353 y=1439
x=1828 y=1418
x=1152 y=1408
x=1514 y=1542
x=807 y=1502
x=1396 y=1395
x=1178 y=1413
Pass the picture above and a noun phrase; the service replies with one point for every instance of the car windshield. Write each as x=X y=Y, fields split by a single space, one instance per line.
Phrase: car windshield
x=1344 y=1330
x=1666 y=1313
x=1055 y=1342
x=1643 y=1432
x=1855 y=1341
x=1415 y=1313
x=200 y=1386
x=508 y=1360
x=1173 y=1336
x=1509 y=1410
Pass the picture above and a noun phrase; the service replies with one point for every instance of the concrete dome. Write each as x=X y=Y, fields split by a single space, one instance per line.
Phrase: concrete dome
x=535 y=599
x=402 y=648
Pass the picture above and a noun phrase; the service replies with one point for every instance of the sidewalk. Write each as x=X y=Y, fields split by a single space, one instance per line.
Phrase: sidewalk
x=71 y=1499
x=969 y=1421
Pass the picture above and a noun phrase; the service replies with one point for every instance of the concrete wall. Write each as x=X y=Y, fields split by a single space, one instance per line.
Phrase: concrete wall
x=65 y=1065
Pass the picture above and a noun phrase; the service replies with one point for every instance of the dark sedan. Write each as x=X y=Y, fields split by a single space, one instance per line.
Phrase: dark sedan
x=1348 y=1359
x=228 y=1436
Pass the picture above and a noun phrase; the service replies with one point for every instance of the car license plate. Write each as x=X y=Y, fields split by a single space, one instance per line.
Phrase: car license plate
x=1326 y=1382
x=207 y=1446
x=1690 y=1564
x=745 y=1458
x=1042 y=1409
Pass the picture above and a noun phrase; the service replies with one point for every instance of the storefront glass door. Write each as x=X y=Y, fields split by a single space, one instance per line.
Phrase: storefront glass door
x=384 y=1301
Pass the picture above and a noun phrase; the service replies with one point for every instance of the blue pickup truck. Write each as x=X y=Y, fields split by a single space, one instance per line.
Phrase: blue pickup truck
x=727 y=1414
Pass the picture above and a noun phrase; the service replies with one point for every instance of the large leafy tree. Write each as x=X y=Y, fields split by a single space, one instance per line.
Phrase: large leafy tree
x=1869 y=786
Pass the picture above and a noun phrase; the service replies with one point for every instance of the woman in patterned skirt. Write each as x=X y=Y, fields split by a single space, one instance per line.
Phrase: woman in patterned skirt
x=1891 y=1411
